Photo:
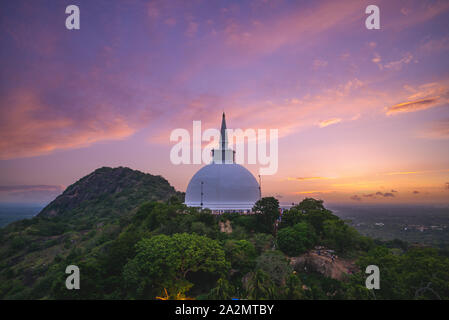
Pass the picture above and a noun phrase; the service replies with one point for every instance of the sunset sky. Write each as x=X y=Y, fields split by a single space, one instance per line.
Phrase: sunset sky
x=363 y=115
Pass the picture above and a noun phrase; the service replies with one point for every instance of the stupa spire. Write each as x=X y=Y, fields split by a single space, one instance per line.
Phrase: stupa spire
x=223 y=154
x=223 y=134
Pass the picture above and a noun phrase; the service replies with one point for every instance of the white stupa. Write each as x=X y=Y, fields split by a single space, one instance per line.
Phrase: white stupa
x=223 y=185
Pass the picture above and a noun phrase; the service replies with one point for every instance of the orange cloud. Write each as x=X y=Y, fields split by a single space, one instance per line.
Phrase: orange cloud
x=307 y=178
x=412 y=106
x=415 y=172
x=313 y=191
x=401 y=172
x=329 y=122
x=424 y=97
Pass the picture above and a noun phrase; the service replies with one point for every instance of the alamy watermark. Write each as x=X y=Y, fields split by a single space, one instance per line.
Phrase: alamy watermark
x=262 y=146
x=373 y=280
x=73 y=280
x=73 y=20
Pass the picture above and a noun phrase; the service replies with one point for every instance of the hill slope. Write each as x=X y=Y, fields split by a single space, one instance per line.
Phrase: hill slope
x=118 y=189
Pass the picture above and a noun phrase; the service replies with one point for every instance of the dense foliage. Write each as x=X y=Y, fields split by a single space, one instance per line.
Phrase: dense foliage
x=163 y=249
x=164 y=262
x=296 y=240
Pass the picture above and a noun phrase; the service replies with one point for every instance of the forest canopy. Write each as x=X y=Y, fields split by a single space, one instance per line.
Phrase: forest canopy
x=165 y=250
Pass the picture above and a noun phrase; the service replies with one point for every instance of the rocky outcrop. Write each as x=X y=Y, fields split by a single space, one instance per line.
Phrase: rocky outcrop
x=225 y=226
x=313 y=262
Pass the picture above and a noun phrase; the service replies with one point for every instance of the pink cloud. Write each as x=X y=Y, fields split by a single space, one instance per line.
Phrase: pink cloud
x=294 y=27
x=192 y=28
x=397 y=65
x=435 y=45
x=288 y=115
x=30 y=128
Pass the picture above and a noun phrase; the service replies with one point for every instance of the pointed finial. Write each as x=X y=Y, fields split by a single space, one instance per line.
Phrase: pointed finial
x=223 y=134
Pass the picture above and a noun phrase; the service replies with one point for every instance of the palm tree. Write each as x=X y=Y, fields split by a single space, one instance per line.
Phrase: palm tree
x=223 y=291
x=260 y=286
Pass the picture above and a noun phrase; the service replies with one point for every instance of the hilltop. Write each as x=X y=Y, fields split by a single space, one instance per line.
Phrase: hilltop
x=109 y=192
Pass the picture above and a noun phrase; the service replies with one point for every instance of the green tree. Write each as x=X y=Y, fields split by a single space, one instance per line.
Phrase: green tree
x=309 y=204
x=246 y=221
x=241 y=254
x=199 y=227
x=311 y=211
x=164 y=262
x=293 y=288
x=266 y=212
x=292 y=217
x=339 y=236
x=223 y=290
x=296 y=240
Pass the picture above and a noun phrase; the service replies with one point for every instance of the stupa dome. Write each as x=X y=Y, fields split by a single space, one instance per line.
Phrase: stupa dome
x=223 y=185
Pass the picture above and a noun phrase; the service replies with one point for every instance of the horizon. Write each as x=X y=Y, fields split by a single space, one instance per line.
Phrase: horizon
x=363 y=115
x=285 y=204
